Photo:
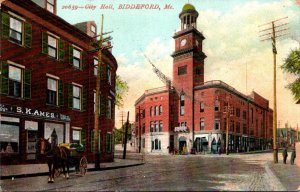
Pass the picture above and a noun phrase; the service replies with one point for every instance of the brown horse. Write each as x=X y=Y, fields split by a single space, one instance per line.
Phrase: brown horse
x=56 y=157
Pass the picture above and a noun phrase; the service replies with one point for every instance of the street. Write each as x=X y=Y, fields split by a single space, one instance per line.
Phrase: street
x=244 y=172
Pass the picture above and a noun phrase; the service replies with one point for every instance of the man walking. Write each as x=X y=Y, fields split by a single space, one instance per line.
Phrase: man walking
x=285 y=155
x=293 y=156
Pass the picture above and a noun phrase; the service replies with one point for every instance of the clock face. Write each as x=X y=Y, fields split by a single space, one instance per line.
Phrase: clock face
x=183 y=42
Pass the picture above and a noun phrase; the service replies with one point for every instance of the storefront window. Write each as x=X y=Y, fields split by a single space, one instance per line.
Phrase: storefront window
x=76 y=136
x=9 y=135
x=59 y=128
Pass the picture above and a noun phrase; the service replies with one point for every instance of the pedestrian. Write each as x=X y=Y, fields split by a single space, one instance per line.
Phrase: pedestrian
x=293 y=156
x=219 y=150
x=284 y=155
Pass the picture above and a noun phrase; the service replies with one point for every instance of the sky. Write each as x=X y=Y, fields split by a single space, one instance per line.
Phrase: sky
x=234 y=51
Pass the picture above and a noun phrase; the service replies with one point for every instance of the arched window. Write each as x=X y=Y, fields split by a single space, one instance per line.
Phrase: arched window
x=155 y=110
x=217 y=105
x=150 y=111
x=182 y=104
x=160 y=109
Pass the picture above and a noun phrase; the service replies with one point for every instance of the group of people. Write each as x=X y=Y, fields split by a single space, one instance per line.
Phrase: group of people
x=285 y=155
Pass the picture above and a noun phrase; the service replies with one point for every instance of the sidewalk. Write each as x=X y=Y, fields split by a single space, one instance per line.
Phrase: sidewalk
x=29 y=170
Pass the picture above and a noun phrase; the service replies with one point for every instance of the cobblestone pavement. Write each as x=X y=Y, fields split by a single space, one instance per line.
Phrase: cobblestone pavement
x=252 y=172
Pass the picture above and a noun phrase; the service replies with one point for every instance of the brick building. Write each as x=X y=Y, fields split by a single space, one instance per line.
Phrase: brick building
x=190 y=112
x=48 y=81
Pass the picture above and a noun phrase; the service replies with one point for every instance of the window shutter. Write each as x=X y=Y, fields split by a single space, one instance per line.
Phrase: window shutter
x=60 y=93
x=4 y=78
x=27 y=84
x=61 y=50
x=70 y=95
x=83 y=137
x=44 y=43
x=102 y=105
x=71 y=54
x=5 y=25
x=27 y=35
x=83 y=99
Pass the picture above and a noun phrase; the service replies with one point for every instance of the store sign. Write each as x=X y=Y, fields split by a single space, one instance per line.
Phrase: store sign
x=33 y=112
x=181 y=129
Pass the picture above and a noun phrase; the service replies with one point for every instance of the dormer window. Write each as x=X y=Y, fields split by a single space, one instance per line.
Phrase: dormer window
x=50 y=5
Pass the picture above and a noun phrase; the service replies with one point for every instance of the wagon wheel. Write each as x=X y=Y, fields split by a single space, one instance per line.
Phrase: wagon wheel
x=83 y=165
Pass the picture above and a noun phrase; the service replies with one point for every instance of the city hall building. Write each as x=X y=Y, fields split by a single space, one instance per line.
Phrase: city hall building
x=48 y=82
x=193 y=114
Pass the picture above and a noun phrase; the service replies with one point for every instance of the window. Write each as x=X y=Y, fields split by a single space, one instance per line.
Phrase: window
x=109 y=108
x=143 y=128
x=238 y=127
x=217 y=105
x=9 y=137
x=95 y=67
x=252 y=115
x=108 y=143
x=55 y=93
x=52 y=91
x=76 y=136
x=201 y=123
x=77 y=58
x=16 y=30
x=151 y=127
x=76 y=97
x=182 y=104
x=95 y=102
x=201 y=106
x=109 y=75
x=53 y=46
x=160 y=126
x=50 y=6
x=244 y=115
x=150 y=111
x=217 y=124
x=182 y=70
x=156 y=144
x=157 y=110
x=244 y=128
x=237 y=112
x=156 y=126
x=15 y=81
x=160 y=110
x=231 y=125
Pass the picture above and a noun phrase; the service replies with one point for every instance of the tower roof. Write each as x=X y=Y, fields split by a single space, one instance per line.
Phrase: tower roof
x=188 y=7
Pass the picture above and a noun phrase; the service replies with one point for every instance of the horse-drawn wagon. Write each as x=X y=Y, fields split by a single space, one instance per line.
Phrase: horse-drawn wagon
x=76 y=157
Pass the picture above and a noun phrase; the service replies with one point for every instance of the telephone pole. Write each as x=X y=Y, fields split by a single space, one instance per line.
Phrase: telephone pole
x=122 y=127
x=99 y=48
x=272 y=33
x=125 y=139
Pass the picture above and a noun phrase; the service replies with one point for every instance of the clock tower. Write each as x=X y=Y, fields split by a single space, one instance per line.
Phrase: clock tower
x=188 y=64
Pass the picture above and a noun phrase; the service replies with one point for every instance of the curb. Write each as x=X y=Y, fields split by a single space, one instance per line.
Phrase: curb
x=46 y=173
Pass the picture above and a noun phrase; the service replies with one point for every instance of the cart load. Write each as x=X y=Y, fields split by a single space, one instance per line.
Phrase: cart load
x=74 y=148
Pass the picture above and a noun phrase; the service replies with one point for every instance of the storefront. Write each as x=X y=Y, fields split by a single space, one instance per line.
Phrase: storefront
x=20 y=129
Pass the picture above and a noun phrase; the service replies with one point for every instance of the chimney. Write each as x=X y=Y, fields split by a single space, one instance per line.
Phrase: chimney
x=88 y=27
x=49 y=5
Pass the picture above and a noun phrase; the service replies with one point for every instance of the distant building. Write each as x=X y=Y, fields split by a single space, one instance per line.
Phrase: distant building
x=190 y=113
x=287 y=137
x=48 y=82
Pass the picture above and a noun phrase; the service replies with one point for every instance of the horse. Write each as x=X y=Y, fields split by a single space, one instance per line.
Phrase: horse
x=56 y=157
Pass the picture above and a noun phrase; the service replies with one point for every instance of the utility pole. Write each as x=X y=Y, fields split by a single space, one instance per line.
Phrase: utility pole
x=97 y=104
x=125 y=139
x=140 y=134
x=122 y=127
x=272 y=34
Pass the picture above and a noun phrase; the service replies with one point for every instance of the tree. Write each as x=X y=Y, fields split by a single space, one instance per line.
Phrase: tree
x=119 y=134
x=292 y=65
x=121 y=89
